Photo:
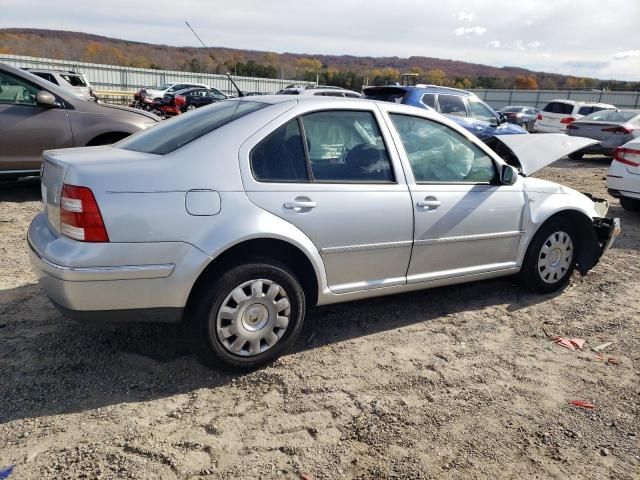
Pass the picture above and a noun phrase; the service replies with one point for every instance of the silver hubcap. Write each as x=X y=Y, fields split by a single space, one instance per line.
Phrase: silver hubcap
x=253 y=317
x=191 y=107
x=555 y=257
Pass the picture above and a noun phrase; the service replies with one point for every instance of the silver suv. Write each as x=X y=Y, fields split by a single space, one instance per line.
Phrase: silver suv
x=70 y=81
x=36 y=115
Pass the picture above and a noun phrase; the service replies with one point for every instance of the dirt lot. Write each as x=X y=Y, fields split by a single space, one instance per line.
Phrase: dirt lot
x=456 y=382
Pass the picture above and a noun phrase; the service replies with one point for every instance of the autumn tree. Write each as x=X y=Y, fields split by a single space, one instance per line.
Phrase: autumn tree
x=436 y=77
x=525 y=82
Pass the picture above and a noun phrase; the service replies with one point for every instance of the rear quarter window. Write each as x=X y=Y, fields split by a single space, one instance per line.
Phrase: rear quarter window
x=170 y=135
x=558 y=107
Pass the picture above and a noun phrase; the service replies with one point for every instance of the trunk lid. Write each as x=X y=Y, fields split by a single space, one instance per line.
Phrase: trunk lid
x=595 y=130
x=534 y=152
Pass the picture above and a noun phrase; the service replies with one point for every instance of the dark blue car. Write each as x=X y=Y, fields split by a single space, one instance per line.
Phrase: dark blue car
x=461 y=106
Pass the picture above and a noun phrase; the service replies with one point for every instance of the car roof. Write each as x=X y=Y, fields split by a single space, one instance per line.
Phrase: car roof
x=426 y=89
x=46 y=70
x=580 y=102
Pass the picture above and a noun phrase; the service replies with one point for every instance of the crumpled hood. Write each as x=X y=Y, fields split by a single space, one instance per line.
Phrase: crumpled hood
x=534 y=152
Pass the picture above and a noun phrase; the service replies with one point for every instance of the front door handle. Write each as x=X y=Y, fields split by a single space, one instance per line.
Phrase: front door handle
x=429 y=202
x=300 y=205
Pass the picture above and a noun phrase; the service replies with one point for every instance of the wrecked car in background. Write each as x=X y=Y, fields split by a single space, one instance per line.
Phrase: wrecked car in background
x=240 y=215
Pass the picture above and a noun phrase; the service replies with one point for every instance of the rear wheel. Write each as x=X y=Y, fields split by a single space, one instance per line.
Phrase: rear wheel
x=631 y=204
x=249 y=316
x=550 y=258
x=576 y=155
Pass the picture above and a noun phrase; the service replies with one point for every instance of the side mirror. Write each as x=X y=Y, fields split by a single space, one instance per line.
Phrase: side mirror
x=508 y=175
x=501 y=118
x=45 y=99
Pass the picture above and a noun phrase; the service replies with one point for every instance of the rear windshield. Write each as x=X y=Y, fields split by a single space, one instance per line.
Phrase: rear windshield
x=172 y=134
x=612 y=116
x=559 y=107
x=74 y=80
x=394 y=95
x=512 y=109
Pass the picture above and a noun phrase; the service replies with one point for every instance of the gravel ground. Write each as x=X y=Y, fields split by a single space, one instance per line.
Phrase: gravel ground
x=457 y=382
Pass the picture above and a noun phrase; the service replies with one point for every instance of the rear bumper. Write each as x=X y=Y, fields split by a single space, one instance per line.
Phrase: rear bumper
x=143 y=282
x=542 y=128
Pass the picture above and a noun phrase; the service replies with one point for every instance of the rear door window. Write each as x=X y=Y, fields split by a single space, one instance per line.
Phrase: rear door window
x=452 y=105
x=346 y=147
x=47 y=76
x=280 y=157
x=558 y=107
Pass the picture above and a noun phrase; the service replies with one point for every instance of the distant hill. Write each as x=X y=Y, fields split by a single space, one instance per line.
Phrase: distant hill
x=345 y=70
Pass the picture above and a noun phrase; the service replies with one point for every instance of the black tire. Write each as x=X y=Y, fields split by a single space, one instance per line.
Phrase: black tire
x=631 y=204
x=531 y=276
x=210 y=298
x=576 y=155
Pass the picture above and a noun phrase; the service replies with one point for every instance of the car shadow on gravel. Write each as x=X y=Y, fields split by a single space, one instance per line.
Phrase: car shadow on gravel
x=51 y=365
x=23 y=190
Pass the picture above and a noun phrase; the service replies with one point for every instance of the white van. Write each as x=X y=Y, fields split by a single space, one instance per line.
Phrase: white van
x=557 y=114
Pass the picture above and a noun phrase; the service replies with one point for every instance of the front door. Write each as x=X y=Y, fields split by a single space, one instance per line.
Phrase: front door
x=330 y=173
x=465 y=222
x=26 y=127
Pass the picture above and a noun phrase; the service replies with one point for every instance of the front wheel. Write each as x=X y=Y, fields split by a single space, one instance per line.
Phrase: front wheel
x=631 y=204
x=249 y=316
x=550 y=258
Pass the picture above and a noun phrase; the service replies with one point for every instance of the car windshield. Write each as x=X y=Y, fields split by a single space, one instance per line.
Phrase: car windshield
x=612 y=116
x=165 y=86
x=171 y=135
x=74 y=80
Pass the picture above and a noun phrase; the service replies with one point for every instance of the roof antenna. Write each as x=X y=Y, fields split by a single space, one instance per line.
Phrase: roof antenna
x=240 y=94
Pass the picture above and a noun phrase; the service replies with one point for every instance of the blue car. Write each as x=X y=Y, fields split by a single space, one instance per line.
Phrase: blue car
x=461 y=106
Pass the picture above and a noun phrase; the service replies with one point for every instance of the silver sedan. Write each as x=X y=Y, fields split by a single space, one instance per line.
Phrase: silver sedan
x=611 y=128
x=237 y=216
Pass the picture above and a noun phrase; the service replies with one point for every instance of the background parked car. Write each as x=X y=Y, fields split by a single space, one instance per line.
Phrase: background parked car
x=557 y=114
x=36 y=115
x=188 y=99
x=70 y=81
x=523 y=116
x=319 y=91
x=463 y=107
x=613 y=128
x=157 y=93
x=623 y=179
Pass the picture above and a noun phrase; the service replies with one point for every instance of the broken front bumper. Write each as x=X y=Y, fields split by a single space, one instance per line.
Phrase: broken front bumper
x=607 y=229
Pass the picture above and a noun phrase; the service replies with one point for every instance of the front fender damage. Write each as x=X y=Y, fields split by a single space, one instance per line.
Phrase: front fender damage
x=596 y=241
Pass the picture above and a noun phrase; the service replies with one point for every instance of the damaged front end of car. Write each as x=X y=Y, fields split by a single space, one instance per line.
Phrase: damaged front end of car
x=597 y=240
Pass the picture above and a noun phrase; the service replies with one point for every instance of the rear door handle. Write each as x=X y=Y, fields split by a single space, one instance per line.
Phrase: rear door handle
x=299 y=205
x=429 y=202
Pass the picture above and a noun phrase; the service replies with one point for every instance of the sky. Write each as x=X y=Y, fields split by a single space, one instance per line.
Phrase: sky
x=594 y=38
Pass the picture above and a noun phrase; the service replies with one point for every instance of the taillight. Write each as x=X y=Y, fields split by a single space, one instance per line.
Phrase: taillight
x=567 y=120
x=619 y=130
x=80 y=216
x=539 y=116
x=628 y=156
x=180 y=100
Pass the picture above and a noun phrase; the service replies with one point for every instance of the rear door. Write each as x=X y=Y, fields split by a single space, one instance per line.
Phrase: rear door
x=26 y=128
x=330 y=173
